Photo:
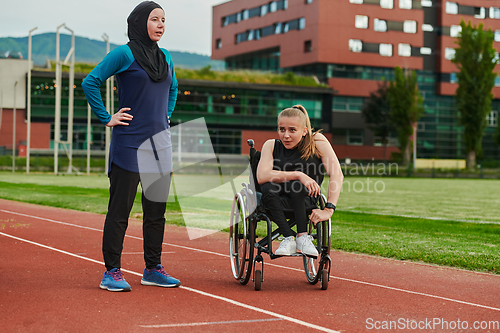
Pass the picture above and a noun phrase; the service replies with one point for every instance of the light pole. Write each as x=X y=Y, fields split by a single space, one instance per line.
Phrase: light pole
x=28 y=107
x=14 y=131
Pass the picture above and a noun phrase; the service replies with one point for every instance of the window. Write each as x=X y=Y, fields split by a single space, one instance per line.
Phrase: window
x=263 y=10
x=480 y=13
x=273 y=6
x=426 y=3
x=380 y=25
x=449 y=53
x=244 y=14
x=495 y=13
x=455 y=30
x=404 y=50
x=218 y=43
x=225 y=21
x=257 y=34
x=355 y=45
x=250 y=34
x=361 y=22
x=359 y=2
x=497 y=35
x=410 y=27
x=302 y=23
x=425 y=50
x=492 y=119
x=427 y=27
x=389 y=4
x=497 y=81
x=277 y=28
x=405 y=4
x=307 y=46
x=451 y=8
x=453 y=78
x=286 y=27
x=385 y=50
x=308 y=1
x=355 y=137
x=238 y=17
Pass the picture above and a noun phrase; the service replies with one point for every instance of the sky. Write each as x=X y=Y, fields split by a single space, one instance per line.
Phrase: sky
x=188 y=22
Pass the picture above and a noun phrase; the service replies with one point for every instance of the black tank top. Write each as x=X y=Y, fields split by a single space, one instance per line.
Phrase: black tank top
x=289 y=160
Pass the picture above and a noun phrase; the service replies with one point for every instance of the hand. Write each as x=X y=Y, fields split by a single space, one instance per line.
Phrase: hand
x=311 y=185
x=319 y=215
x=119 y=118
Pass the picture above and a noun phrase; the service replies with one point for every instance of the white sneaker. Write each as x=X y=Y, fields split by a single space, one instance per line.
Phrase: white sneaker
x=306 y=246
x=287 y=247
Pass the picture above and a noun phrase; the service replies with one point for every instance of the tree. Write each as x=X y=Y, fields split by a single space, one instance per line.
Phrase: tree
x=476 y=59
x=376 y=114
x=405 y=102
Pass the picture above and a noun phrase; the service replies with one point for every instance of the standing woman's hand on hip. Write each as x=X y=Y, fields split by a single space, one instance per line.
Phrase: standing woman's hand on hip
x=120 y=117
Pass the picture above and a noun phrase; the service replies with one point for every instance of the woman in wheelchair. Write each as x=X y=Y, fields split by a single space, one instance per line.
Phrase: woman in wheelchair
x=294 y=166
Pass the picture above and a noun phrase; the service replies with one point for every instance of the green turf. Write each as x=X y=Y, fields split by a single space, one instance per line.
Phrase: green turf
x=473 y=246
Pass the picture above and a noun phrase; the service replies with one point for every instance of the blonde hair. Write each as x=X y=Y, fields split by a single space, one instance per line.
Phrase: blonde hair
x=307 y=146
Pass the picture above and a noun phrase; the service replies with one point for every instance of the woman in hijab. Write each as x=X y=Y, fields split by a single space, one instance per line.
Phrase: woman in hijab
x=147 y=91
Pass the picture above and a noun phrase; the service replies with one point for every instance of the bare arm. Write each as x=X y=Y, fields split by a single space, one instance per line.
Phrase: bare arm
x=334 y=171
x=265 y=172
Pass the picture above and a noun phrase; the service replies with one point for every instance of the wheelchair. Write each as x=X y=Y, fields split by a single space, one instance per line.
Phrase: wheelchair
x=248 y=210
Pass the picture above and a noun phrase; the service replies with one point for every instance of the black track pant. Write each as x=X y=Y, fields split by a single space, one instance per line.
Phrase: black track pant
x=122 y=190
x=297 y=192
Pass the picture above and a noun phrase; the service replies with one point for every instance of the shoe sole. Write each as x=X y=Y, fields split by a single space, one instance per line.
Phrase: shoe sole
x=308 y=254
x=147 y=283
x=114 y=289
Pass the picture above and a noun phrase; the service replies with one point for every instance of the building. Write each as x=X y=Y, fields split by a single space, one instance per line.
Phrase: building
x=354 y=44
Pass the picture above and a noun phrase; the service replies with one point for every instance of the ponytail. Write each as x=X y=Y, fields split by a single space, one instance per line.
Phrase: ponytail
x=307 y=146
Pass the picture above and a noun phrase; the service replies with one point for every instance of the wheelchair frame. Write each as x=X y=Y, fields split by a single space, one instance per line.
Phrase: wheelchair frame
x=245 y=215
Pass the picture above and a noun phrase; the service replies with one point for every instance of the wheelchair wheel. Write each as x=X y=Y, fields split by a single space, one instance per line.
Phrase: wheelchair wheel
x=314 y=266
x=257 y=280
x=241 y=239
x=324 y=279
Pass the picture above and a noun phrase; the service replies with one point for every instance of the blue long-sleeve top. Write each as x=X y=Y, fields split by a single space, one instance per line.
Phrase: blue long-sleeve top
x=151 y=103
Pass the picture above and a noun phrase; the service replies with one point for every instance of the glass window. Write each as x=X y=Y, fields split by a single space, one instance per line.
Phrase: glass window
x=277 y=28
x=449 y=53
x=273 y=6
x=309 y=1
x=405 y=4
x=404 y=50
x=410 y=27
x=492 y=119
x=355 y=45
x=218 y=43
x=426 y=3
x=263 y=10
x=497 y=35
x=425 y=50
x=427 y=27
x=356 y=1
x=285 y=4
x=302 y=23
x=453 y=78
x=389 y=4
x=451 y=8
x=307 y=46
x=238 y=17
x=495 y=13
x=355 y=137
x=257 y=34
x=455 y=30
x=250 y=34
x=380 y=25
x=385 y=50
x=361 y=22
x=286 y=27
x=244 y=14
x=497 y=81
x=480 y=13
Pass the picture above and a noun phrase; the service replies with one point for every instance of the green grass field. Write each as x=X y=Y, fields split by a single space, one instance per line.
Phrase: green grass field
x=439 y=221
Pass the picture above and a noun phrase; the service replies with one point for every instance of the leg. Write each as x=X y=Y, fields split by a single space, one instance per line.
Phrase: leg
x=122 y=191
x=270 y=197
x=153 y=229
x=297 y=193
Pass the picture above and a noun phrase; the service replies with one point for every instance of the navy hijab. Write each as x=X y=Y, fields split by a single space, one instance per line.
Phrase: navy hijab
x=146 y=52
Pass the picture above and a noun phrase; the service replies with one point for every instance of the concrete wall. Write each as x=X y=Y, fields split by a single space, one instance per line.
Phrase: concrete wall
x=12 y=70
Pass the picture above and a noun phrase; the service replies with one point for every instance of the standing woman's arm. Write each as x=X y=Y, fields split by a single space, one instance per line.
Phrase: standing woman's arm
x=174 y=87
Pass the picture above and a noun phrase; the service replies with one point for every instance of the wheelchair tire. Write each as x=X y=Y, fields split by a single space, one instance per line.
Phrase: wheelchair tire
x=257 y=279
x=324 y=279
x=313 y=266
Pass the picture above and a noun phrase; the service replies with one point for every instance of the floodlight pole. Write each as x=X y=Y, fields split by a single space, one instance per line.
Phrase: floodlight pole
x=28 y=107
x=107 y=130
x=57 y=120
x=88 y=138
x=415 y=146
x=14 y=131
x=71 y=97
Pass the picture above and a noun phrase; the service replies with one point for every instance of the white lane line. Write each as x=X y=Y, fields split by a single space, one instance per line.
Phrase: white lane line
x=285 y=267
x=225 y=299
x=211 y=323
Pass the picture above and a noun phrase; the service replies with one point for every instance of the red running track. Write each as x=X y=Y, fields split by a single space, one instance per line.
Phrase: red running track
x=51 y=266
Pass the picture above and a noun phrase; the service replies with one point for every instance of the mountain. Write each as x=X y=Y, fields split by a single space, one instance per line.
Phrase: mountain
x=89 y=50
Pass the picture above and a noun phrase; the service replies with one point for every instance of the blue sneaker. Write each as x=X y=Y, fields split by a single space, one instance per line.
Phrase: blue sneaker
x=158 y=277
x=113 y=281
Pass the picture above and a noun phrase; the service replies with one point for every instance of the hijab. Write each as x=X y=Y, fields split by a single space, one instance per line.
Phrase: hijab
x=145 y=51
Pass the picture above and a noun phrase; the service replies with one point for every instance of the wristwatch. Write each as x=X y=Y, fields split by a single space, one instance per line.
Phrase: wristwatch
x=330 y=205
